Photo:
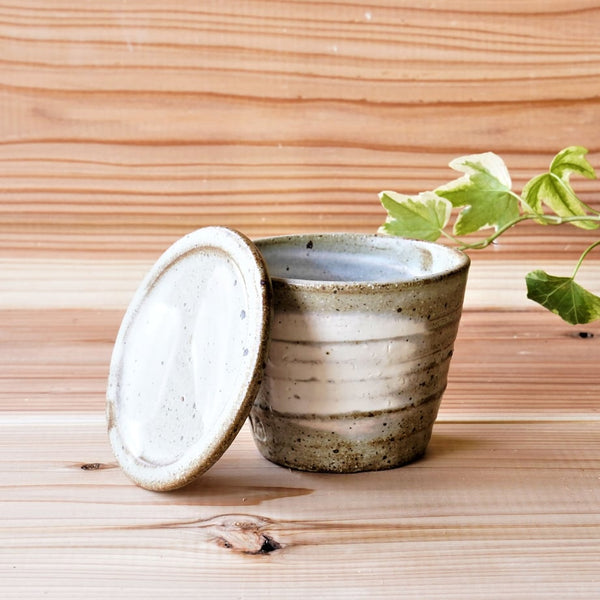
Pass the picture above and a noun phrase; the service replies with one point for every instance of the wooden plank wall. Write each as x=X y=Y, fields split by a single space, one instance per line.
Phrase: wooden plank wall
x=124 y=125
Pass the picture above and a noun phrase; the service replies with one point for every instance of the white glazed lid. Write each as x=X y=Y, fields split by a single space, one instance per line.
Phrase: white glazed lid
x=188 y=358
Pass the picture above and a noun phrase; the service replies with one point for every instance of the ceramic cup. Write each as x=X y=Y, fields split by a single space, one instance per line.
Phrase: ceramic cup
x=362 y=336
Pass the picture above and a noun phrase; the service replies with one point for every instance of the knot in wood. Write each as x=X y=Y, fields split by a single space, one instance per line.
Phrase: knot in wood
x=243 y=533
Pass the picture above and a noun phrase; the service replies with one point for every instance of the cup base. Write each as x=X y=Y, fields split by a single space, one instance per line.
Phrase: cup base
x=348 y=443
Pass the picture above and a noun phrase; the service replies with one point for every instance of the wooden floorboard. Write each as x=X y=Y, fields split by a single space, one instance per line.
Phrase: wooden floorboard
x=490 y=502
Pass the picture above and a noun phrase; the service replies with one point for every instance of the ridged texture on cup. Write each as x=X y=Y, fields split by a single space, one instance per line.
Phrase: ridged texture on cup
x=356 y=370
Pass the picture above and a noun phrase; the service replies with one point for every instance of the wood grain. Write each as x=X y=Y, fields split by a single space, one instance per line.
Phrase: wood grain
x=61 y=283
x=124 y=125
x=480 y=516
x=507 y=365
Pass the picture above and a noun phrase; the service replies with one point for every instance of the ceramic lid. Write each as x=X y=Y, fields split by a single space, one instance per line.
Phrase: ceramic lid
x=188 y=358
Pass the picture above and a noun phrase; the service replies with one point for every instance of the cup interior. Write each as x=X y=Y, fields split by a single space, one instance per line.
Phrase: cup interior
x=357 y=258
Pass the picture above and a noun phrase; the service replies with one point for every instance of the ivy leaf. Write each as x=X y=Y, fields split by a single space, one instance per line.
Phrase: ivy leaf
x=558 y=195
x=554 y=190
x=484 y=191
x=561 y=295
x=422 y=217
x=572 y=160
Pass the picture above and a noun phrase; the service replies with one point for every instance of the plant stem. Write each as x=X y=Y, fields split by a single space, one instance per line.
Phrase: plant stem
x=453 y=238
x=552 y=220
x=543 y=219
x=487 y=241
x=582 y=257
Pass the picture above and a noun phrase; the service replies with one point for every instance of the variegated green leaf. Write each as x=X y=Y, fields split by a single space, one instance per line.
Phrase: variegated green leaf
x=563 y=296
x=572 y=160
x=484 y=191
x=422 y=217
x=557 y=194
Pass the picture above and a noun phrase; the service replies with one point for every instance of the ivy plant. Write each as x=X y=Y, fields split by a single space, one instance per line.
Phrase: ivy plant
x=484 y=199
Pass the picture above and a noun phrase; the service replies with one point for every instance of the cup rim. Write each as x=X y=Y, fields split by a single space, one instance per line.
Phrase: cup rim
x=462 y=265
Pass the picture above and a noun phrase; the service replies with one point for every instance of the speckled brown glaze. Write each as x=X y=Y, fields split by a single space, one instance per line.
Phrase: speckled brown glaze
x=327 y=443
x=362 y=337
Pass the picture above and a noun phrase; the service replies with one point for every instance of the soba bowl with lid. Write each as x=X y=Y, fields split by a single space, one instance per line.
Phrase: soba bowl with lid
x=337 y=346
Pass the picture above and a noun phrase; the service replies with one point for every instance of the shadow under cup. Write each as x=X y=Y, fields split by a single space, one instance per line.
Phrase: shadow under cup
x=362 y=336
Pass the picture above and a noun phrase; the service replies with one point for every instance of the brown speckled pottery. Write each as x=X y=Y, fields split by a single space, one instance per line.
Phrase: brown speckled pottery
x=361 y=340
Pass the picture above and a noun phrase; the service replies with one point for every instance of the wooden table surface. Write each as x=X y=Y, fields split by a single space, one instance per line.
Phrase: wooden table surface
x=124 y=125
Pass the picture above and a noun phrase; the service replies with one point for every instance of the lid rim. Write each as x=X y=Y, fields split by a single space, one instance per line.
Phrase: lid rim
x=239 y=252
